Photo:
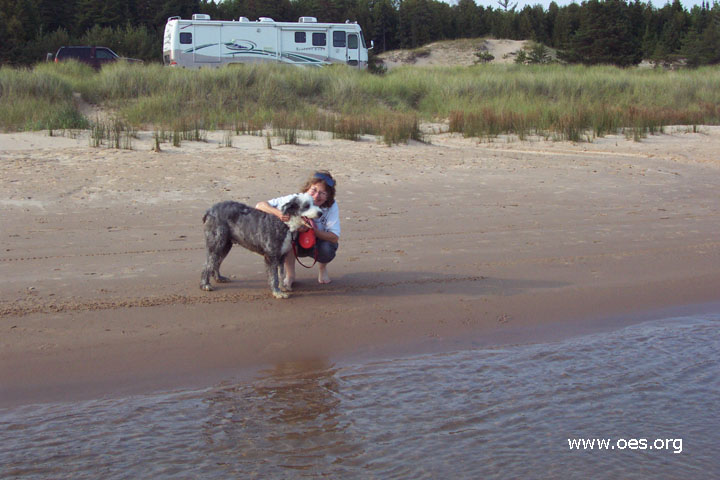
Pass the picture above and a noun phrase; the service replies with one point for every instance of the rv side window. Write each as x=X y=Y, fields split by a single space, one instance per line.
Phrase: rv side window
x=319 y=39
x=300 y=37
x=352 y=42
x=186 y=38
x=338 y=39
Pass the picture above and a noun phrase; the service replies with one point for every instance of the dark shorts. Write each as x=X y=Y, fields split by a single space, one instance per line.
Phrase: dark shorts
x=325 y=251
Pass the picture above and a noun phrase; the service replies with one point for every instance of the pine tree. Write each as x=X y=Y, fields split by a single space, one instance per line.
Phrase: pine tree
x=567 y=22
x=604 y=36
x=385 y=22
x=507 y=5
x=414 y=18
x=467 y=19
x=146 y=13
x=88 y=14
x=173 y=8
x=19 y=23
x=702 y=44
x=55 y=15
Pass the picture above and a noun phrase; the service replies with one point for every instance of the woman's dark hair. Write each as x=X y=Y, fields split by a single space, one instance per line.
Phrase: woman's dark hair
x=324 y=177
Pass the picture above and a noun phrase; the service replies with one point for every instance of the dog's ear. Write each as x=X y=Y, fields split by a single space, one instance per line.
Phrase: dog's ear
x=292 y=207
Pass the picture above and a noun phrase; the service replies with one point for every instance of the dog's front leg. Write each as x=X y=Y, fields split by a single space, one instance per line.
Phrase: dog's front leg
x=273 y=266
x=281 y=275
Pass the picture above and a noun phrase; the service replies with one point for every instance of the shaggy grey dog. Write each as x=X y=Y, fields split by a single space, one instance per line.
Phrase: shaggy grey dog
x=232 y=222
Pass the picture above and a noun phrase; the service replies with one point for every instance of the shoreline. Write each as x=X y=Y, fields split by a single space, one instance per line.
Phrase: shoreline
x=131 y=373
x=450 y=244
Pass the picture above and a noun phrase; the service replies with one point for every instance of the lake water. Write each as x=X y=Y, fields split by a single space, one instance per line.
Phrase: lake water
x=650 y=392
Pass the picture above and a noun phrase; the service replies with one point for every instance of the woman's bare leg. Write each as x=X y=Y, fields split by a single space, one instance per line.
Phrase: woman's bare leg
x=323 y=276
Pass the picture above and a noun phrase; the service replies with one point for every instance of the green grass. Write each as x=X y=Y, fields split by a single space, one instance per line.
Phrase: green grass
x=556 y=101
x=38 y=99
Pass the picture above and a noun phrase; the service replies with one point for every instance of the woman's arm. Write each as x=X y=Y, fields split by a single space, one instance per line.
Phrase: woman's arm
x=332 y=224
x=327 y=236
x=267 y=208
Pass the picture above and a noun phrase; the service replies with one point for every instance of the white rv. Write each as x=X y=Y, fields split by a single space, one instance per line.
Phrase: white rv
x=202 y=42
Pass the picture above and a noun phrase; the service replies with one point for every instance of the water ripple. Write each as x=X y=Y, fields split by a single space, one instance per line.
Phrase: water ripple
x=492 y=413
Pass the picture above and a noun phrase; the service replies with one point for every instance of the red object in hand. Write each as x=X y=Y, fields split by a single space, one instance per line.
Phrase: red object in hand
x=306 y=239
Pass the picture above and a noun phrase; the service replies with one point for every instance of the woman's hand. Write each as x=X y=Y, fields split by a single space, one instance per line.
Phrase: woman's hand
x=308 y=224
x=267 y=208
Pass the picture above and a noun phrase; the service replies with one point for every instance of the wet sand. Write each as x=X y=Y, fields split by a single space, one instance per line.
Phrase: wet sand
x=444 y=245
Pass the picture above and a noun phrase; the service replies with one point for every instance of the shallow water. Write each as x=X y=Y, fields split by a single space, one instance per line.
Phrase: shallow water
x=650 y=390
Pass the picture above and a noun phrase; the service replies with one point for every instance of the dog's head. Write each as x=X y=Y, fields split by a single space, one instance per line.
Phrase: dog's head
x=301 y=205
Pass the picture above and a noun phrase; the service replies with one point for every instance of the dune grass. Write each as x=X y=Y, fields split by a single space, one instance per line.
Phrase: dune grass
x=39 y=99
x=560 y=102
x=574 y=102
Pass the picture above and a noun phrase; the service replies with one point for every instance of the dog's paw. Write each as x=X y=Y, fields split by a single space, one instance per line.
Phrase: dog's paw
x=206 y=287
x=280 y=294
x=221 y=279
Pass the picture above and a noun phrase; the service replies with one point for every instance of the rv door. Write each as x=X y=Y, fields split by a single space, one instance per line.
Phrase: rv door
x=207 y=45
x=353 y=50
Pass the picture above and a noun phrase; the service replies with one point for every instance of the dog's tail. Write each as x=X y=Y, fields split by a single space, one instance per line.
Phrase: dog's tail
x=207 y=214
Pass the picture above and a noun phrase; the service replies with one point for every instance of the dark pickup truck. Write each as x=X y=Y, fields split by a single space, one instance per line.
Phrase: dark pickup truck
x=96 y=57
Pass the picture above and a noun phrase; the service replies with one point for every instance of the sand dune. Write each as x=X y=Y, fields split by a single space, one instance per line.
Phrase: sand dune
x=460 y=52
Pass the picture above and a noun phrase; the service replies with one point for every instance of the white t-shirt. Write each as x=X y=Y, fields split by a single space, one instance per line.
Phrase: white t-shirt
x=329 y=221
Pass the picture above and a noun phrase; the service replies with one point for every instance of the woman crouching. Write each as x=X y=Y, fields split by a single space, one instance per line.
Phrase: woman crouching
x=321 y=187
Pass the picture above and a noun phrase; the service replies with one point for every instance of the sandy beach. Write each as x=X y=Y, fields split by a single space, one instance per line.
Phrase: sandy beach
x=446 y=244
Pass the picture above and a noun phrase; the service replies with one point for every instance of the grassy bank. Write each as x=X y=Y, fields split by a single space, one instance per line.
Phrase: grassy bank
x=563 y=102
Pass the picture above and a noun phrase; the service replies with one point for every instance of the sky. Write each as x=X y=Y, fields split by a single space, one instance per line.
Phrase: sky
x=688 y=4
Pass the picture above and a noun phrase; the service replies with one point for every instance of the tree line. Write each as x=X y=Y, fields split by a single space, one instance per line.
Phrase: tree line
x=594 y=32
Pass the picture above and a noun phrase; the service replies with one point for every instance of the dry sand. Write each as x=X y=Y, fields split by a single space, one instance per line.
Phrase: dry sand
x=461 y=52
x=444 y=245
